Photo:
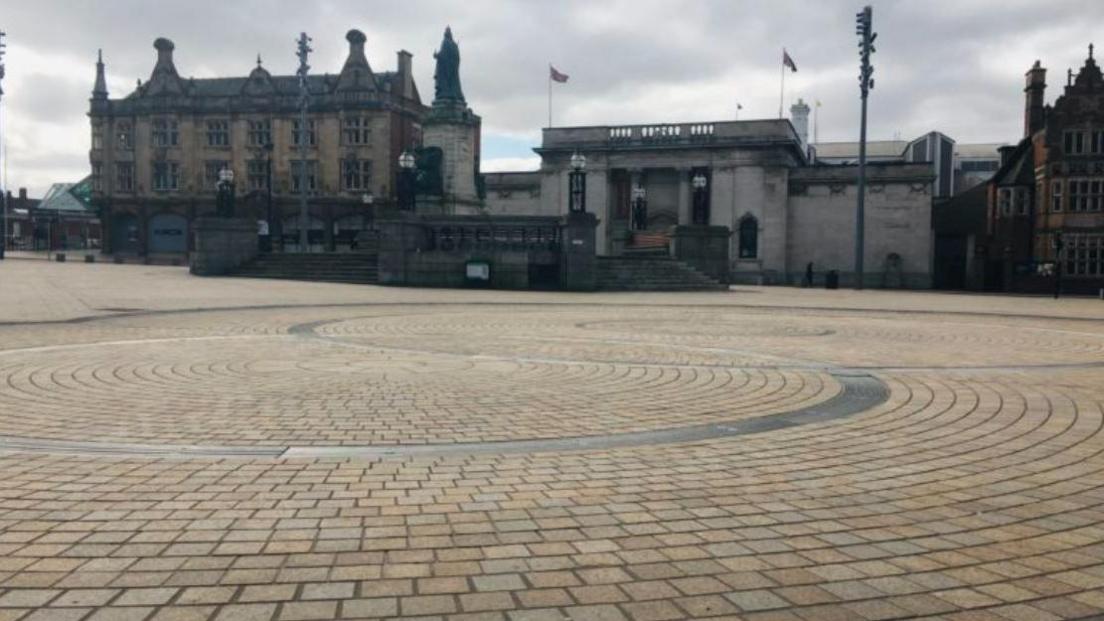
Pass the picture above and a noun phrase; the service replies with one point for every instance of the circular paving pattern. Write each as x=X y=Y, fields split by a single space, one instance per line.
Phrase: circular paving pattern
x=503 y=462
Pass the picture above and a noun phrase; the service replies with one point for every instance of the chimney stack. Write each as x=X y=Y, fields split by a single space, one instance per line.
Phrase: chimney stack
x=1034 y=112
x=406 y=74
x=1005 y=153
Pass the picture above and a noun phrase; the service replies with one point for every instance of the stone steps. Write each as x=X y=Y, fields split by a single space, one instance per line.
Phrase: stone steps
x=333 y=267
x=652 y=273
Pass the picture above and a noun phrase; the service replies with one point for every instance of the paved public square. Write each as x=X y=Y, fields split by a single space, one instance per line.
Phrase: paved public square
x=182 y=448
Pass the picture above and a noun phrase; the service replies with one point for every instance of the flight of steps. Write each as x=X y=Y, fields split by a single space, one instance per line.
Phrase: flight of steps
x=652 y=273
x=347 y=267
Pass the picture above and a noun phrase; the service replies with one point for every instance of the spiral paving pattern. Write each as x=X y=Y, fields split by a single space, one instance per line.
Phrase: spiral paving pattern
x=973 y=490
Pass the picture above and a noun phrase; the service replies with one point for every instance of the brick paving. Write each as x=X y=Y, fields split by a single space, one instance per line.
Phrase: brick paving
x=974 y=491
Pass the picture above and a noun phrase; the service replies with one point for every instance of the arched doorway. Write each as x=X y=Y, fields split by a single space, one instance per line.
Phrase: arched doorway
x=168 y=233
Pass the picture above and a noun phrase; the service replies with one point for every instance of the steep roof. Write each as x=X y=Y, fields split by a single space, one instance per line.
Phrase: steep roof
x=283 y=84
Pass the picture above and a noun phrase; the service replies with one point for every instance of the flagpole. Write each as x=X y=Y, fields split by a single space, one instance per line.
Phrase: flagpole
x=549 y=96
x=782 y=92
x=816 y=123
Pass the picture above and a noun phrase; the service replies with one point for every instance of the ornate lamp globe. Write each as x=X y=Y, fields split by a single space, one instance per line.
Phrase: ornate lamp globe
x=699 y=181
x=578 y=161
x=226 y=175
x=406 y=160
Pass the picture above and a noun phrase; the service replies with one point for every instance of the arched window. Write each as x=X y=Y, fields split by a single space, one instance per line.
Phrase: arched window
x=749 y=237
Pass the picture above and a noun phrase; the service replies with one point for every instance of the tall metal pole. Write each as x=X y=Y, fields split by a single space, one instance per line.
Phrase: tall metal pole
x=304 y=100
x=863 y=28
x=4 y=185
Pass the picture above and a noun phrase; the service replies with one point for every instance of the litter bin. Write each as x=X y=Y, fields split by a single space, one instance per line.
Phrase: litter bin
x=831 y=280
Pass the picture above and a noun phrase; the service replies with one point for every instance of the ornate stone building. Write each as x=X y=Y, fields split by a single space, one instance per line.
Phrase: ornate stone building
x=157 y=152
x=1046 y=202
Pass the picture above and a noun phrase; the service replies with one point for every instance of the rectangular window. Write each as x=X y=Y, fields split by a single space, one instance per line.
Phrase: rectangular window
x=124 y=176
x=1078 y=142
x=257 y=174
x=312 y=137
x=1096 y=145
x=1004 y=202
x=1056 y=196
x=1021 y=204
x=211 y=170
x=260 y=133
x=1067 y=143
x=97 y=136
x=166 y=176
x=218 y=133
x=164 y=133
x=1084 y=255
x=356 y=131
x=356 y=174
x=1095 y=195
x=97 y=176
x=312 y=176
x=124 y=135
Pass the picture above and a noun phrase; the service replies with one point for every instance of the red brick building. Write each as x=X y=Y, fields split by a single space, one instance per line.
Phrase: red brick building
x=1046 y=202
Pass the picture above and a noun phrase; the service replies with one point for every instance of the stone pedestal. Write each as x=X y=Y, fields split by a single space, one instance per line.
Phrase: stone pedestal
x=222 y=245
x=454 y=128
x=705 y=248
x=579 y=254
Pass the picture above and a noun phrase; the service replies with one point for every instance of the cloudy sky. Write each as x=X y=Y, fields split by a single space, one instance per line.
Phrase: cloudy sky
x=952 y=65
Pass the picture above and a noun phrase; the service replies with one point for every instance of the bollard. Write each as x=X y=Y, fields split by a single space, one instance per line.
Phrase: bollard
x=60 y=257
x=89 y=258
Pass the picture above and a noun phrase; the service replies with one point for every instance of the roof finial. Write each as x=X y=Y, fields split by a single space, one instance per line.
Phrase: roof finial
x=258 y=59
x=1090 y=51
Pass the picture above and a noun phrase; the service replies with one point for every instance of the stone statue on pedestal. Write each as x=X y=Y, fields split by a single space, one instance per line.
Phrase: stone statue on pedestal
x=446 y=78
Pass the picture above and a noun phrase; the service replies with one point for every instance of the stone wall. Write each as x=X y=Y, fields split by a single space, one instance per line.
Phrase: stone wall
x=822 y=208
x=523 y=252
x=222 y=245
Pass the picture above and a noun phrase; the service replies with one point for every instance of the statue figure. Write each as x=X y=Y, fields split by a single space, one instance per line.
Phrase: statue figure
x=429 y=179
x=446 y=78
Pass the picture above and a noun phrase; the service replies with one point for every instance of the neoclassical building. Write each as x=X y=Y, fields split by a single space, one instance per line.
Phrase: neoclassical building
x=157 y=152
x=755 y=178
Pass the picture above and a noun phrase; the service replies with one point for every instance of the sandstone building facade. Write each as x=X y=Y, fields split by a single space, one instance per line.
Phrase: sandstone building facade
x=156 y=153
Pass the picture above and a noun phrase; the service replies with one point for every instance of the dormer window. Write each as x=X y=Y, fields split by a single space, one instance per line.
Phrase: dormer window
x=1073 y=142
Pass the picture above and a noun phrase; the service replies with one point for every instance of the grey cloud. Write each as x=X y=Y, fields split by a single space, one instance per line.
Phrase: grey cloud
x=951 y=65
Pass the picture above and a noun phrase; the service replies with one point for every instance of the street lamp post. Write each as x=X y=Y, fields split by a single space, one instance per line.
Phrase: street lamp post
x=3 y=188
x=639 y=208
x=863 y=28
x=303 y=50
x=1059 y=244
x=577 y=184
x=225 y=205
x=701 y=207
x=273 y=231
x=406 y=182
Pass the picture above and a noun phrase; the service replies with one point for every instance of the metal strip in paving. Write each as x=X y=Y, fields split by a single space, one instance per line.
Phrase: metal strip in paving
x=860 y=392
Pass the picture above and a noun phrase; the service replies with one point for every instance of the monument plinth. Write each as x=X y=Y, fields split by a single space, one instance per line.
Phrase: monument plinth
x=452 y=127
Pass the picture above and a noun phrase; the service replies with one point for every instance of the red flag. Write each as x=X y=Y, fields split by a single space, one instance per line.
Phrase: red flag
x=787 y=61
x=556 y=76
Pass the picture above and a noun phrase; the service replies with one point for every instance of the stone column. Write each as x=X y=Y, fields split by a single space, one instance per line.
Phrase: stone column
x=685 y=216
x=598 y=203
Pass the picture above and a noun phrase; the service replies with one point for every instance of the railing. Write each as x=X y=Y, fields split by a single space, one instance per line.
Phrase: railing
x=660 y=133
x=459 y=237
